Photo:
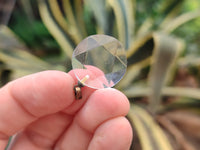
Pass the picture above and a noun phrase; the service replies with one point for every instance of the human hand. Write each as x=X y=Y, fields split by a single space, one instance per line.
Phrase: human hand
x=42 y=113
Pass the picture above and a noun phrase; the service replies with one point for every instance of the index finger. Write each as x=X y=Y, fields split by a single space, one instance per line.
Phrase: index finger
x=26 y=99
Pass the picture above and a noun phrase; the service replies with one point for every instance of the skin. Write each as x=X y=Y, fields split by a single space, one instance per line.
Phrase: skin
x=41 y=112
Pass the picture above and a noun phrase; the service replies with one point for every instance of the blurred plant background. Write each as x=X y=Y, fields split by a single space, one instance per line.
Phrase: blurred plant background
x=162 y=39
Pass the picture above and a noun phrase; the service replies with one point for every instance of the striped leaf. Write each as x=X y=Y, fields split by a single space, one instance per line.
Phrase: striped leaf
x=151 y=136
x=61 y=36
x=15 y=56
x=189 y=61
x=165 y=53
x=71 y=19
x=6 y=8
x=8 y=40
x=180 y=20
x=132 y=72
x=141 y=52
x=141 y=91
x=98 y=8
x=124 y=15
x=171 y=9
x=79 y=9
x=139 y=56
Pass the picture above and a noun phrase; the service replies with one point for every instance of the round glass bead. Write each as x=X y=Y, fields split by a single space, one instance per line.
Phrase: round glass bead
x=99 y=61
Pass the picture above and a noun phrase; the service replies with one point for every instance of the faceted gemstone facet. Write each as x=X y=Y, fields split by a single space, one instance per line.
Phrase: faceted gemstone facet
x=102 y=59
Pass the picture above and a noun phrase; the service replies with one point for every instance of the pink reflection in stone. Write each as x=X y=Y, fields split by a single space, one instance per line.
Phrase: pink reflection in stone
x=96 y=78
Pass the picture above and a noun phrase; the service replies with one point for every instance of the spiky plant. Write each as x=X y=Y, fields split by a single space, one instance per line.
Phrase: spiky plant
x=162 y=43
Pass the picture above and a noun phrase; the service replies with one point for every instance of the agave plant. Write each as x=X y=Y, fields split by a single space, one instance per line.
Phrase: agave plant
x=162 y=43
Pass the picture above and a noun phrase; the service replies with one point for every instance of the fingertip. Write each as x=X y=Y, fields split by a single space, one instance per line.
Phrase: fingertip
x=29 y=98
x=47 y=89
x=77 y=104
x=113 y=134
x=3 y=144
x=102 y=105
x=71 y=73
x=111 y=98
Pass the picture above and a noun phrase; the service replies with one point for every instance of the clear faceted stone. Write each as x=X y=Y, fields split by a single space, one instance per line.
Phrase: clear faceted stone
x=102 y=58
